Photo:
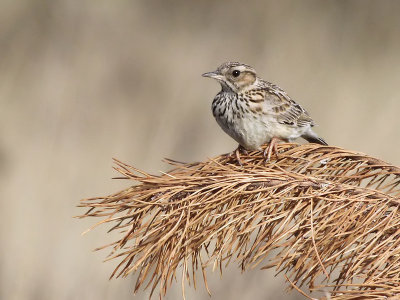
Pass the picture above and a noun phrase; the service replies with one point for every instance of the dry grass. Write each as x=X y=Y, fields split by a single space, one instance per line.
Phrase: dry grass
x=327 y=218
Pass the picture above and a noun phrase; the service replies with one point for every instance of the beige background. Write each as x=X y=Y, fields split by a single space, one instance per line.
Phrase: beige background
x=84 y=81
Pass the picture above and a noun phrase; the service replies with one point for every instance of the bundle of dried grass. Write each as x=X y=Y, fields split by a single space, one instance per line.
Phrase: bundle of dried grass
x=330 y=215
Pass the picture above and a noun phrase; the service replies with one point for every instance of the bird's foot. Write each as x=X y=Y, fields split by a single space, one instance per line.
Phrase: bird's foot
x=237 y=152
x=271 y=149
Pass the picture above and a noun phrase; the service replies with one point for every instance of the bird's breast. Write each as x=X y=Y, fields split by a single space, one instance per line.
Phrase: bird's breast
x=239 y=121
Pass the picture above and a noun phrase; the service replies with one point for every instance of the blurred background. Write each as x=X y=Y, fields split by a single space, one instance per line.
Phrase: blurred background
x=84 y=81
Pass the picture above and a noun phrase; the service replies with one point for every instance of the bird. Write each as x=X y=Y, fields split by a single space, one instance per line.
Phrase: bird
x=254 y=112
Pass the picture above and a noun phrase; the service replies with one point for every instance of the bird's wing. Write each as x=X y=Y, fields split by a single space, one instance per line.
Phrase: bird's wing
x=286 y=110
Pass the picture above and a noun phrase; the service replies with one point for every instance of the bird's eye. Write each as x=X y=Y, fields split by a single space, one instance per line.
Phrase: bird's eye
x=235 y=73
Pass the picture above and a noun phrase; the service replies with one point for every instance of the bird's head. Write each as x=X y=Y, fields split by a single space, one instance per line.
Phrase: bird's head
x=234 y=76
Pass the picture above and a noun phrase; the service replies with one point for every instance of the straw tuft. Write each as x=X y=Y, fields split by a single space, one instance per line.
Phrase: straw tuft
x=327 y=218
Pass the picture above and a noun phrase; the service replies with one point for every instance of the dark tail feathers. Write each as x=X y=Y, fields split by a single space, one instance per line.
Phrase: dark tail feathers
x=315 y=139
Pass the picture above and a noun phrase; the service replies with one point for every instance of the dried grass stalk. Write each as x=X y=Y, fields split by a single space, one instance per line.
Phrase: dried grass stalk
x=330 y=215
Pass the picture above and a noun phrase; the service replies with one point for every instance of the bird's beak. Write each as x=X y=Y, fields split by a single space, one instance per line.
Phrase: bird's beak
x=214 y=75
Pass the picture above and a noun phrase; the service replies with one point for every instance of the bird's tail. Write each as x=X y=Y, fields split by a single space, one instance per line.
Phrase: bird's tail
x=311 y=137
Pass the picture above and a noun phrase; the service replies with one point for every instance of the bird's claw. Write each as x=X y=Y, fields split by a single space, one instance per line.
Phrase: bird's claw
x=271 y=149
x=236 y=154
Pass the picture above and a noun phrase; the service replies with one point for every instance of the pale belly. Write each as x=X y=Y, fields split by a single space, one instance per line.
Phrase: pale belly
x=251 y=132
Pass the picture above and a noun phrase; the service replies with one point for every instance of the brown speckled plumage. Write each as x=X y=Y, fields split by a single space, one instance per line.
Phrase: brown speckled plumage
x=253 y=111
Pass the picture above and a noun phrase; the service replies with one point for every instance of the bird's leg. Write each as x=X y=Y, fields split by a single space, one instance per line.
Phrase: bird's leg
x=271 y=148
x=243 y=150
x=237 y=154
